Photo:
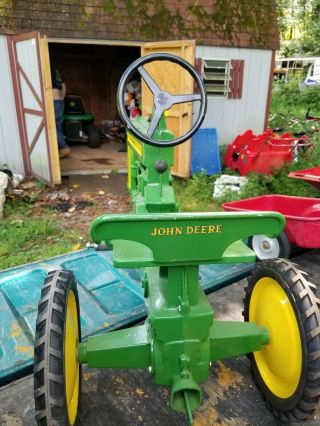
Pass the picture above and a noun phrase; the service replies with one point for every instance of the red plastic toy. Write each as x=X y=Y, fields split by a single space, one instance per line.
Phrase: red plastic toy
x=262 y=153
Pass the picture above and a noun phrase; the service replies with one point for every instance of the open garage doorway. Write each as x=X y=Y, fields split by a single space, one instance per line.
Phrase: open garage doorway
x=92 y=73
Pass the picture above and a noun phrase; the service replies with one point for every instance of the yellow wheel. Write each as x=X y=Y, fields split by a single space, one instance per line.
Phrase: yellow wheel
x=57 y=372
x=71 y=365
x=287 y=369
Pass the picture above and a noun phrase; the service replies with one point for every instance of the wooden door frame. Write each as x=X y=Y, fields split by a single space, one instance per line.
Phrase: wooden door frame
x=182 y=152
x=16 y=70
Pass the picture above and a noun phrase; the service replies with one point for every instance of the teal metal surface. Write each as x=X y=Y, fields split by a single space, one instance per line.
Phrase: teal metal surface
x=109 y=299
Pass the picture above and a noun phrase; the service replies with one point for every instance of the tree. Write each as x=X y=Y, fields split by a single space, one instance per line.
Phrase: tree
x=299 y=24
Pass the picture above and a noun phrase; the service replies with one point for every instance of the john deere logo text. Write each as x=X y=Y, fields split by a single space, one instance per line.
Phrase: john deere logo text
x=186 y=230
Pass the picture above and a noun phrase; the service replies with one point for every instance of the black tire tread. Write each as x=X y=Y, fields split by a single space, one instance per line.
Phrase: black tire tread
x=93 y=137
x=308 y=306
x=49 y=393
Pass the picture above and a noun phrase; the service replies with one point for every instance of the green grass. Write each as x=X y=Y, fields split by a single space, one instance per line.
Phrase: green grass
x=195 y=194
x=26 y=237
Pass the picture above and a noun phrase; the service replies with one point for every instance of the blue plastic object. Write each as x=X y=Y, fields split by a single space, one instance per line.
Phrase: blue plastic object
x=205 y=152
x=109 y=299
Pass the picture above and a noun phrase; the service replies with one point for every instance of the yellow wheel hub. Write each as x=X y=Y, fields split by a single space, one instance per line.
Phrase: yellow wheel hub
x=279 y=362
x=71 y=365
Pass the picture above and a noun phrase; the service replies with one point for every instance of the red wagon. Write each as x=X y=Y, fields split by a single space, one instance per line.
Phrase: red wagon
x=311 y=176
x=302 y=223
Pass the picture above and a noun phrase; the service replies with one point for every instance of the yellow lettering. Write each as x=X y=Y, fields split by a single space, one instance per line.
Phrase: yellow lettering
x=169 y=231
x=179 y=230
x=204 y=229
x=161 y=231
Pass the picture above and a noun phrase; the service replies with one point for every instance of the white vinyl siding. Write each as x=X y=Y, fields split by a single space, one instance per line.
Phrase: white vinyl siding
x=10 y=151
x=233 y=116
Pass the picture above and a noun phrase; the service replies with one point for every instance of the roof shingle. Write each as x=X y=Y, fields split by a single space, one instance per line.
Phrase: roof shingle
x=244 y=23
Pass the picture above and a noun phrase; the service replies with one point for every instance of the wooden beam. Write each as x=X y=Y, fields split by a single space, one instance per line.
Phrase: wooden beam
x=51 y=122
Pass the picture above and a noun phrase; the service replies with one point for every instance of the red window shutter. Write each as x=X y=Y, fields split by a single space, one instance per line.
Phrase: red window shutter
x=236 y=82
x=198 y=65
x=198 y=68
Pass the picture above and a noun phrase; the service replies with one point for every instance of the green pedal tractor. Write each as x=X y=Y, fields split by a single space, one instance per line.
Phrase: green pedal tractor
x=181 y=337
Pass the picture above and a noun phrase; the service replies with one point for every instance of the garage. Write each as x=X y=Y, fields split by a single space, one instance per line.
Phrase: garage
x=92 y=72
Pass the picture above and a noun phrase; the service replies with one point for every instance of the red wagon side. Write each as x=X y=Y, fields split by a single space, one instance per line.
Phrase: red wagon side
x=302 y=223
x=311 y=176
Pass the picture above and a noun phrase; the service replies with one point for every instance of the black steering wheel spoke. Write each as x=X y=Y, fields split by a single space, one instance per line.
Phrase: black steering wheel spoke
x=181 y=99
x=155 y=119
x=155 y=89
x=162 y=99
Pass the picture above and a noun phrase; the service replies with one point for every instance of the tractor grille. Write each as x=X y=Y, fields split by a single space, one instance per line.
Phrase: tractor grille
x=73 y=130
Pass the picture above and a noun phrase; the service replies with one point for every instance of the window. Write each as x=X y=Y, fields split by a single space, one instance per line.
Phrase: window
x=223 y=78
x=216 y=75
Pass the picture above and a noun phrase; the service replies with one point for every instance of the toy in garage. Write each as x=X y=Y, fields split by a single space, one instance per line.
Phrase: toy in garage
x=78 y=125
x=181 y=338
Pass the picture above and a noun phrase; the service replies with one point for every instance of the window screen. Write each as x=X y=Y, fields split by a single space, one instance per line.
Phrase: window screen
x=216 y=75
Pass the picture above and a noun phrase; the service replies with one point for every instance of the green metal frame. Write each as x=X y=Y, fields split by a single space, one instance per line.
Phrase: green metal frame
x=151 y=191
x=79 y=117
x=180 y=338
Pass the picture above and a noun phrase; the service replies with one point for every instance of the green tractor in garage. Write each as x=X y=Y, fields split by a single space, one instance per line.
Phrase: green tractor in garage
x=78 y=125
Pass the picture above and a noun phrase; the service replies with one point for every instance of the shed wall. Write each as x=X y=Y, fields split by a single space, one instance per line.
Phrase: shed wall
x=10 y=151
x=233 y=116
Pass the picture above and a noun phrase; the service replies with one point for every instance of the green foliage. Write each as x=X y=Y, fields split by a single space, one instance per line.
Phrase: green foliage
x=290 y=104
x=195 y=194
x=299 y=26
x=109 y=7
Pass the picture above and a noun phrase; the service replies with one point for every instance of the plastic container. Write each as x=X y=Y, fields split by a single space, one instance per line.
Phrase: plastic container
x=205 y=152
x=311 y=176
x=302 y=215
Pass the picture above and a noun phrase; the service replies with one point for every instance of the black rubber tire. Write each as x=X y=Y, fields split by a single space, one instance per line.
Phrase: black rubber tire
x=304 y=402
x=93 y=137
x=49 y=374
x=284 y=246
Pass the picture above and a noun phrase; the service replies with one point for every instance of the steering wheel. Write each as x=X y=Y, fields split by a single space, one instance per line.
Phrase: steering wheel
x=162 y=99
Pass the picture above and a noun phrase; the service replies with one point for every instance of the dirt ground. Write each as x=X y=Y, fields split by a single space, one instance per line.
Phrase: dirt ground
x=81 y=198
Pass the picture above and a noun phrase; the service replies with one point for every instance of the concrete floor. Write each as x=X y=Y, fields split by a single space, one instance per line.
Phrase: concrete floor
x=86 y=160
x=116 y=397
